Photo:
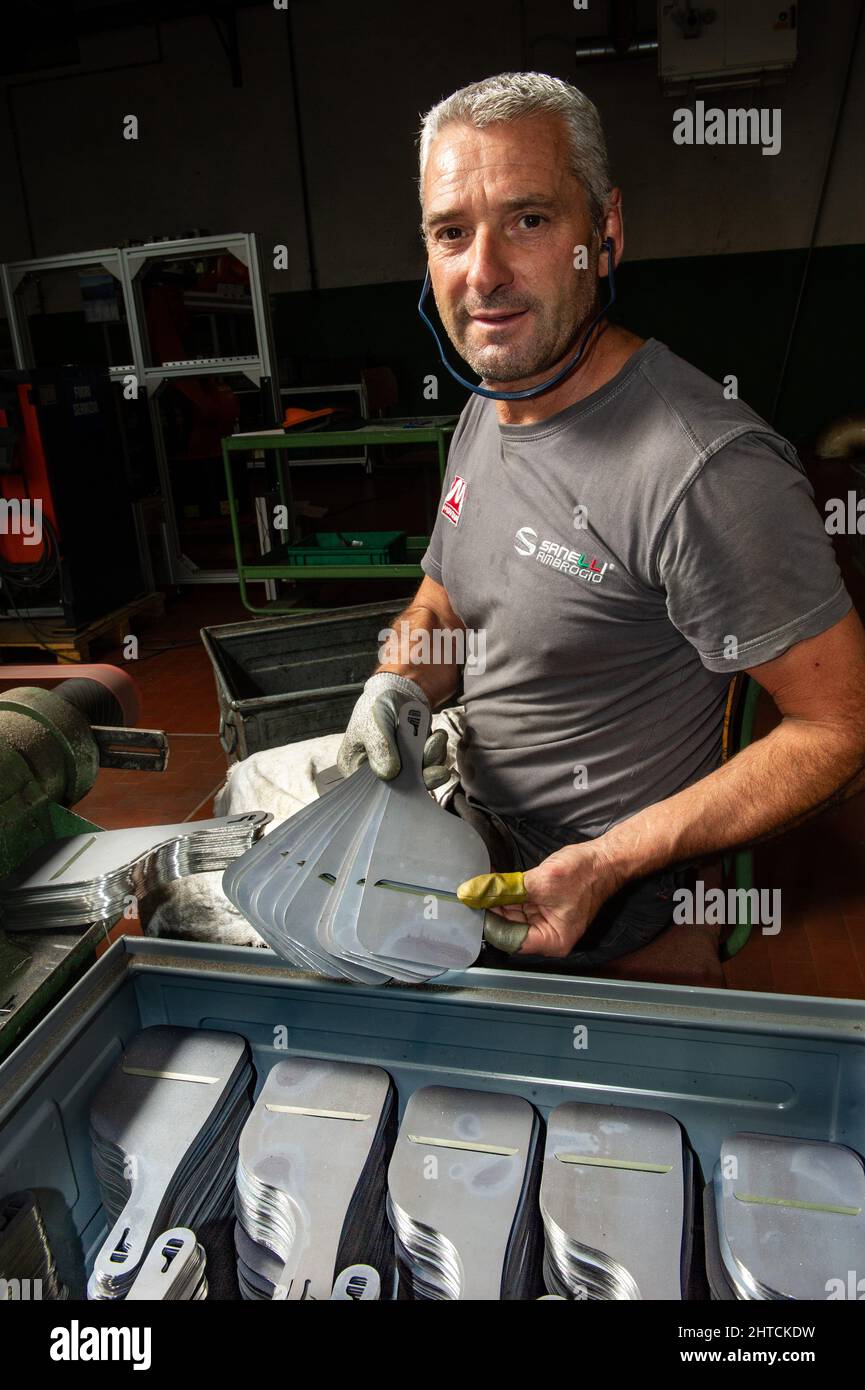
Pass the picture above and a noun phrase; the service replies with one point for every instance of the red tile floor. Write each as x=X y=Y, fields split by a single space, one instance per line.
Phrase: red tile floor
x=818 y=867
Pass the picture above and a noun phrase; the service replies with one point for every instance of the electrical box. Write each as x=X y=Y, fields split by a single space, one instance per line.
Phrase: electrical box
x=722 y=44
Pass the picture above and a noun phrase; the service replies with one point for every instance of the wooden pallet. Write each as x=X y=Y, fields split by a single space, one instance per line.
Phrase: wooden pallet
x=71 y=644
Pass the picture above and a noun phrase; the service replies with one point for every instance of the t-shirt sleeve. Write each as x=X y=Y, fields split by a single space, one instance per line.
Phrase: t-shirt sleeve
x=431 y=560
x=744 y=559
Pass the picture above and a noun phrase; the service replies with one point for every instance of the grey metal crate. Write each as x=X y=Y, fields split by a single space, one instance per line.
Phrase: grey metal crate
x=282 y=680
x=719 y=1060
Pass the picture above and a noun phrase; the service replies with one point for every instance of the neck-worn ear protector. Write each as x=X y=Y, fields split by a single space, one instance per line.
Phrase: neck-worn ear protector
x=606 y=245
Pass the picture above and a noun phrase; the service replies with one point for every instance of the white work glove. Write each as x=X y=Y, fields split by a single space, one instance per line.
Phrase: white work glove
x=371 y=732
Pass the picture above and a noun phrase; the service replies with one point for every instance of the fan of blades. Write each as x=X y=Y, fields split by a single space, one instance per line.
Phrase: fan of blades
x=361 y=884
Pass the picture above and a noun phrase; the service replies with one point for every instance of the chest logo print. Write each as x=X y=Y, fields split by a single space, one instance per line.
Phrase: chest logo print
x=454 y=498
x=561 y=557
x=526 y=541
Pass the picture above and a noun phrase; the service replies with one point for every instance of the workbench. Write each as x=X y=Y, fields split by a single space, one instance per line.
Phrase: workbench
x=276 y=563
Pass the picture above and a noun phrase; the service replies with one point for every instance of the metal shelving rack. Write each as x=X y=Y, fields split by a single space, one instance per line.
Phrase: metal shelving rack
x=126 y=265
x=257 y=367
x=14 y=273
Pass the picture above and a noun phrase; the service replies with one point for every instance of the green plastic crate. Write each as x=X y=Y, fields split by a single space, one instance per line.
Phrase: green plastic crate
x=349 y=548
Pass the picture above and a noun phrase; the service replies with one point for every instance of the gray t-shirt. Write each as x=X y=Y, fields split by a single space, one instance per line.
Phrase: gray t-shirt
x=621 y=560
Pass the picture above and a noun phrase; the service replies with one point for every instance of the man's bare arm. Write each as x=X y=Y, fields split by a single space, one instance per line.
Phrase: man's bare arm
x=815 y=757
x=429 y=612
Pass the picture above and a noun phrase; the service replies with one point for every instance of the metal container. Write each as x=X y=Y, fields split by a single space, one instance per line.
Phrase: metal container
x=282 y=680
x=720 y=1061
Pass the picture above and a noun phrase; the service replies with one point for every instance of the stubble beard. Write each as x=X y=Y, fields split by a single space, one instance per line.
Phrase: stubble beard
x=555 y=331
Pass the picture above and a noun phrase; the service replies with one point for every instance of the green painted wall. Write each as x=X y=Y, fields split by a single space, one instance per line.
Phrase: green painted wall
x=726 y=314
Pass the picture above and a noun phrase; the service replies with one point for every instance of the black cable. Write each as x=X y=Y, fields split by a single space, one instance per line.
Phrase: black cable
x=303 y=176
x=36 y=574
x=818 y=214
x=20 y=579
x=42 y=638
x=40 y=572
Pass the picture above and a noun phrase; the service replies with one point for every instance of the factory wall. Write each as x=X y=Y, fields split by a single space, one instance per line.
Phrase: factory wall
x=714 y=236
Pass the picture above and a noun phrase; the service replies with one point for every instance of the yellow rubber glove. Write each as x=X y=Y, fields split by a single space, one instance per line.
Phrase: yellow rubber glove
x=497 y=890
x=493 y=890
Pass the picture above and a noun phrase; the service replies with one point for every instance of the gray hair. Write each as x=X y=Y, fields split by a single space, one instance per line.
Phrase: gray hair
x=513 y=95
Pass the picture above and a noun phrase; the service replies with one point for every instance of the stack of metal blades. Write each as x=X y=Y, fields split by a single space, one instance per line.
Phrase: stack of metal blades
x=617 y=1197
x=259 y=1270
x=174 y=1270
x=720 y=1288
x=90 y=877
x=462 y=1196
x=361 y=885
x=164 y=1128
x=311 y=1179
x=262 y=880
x=26 y=1263
x=787 y=1219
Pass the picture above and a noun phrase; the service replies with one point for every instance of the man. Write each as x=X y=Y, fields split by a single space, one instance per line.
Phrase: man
x=626 y=539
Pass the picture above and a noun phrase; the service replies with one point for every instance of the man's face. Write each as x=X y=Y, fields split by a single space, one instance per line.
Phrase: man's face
x=502 y=214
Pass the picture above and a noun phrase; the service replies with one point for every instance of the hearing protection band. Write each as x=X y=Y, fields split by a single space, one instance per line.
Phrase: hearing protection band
x=606 y=245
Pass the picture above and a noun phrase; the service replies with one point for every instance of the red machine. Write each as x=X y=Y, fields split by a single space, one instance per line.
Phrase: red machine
x=67 y=533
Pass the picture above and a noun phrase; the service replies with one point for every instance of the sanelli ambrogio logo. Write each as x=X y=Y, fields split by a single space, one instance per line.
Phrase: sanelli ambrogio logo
x=526 y=542
x=560 y=557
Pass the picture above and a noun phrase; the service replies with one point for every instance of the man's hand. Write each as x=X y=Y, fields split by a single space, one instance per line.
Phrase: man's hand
x=371 y=732
x=561 y=897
